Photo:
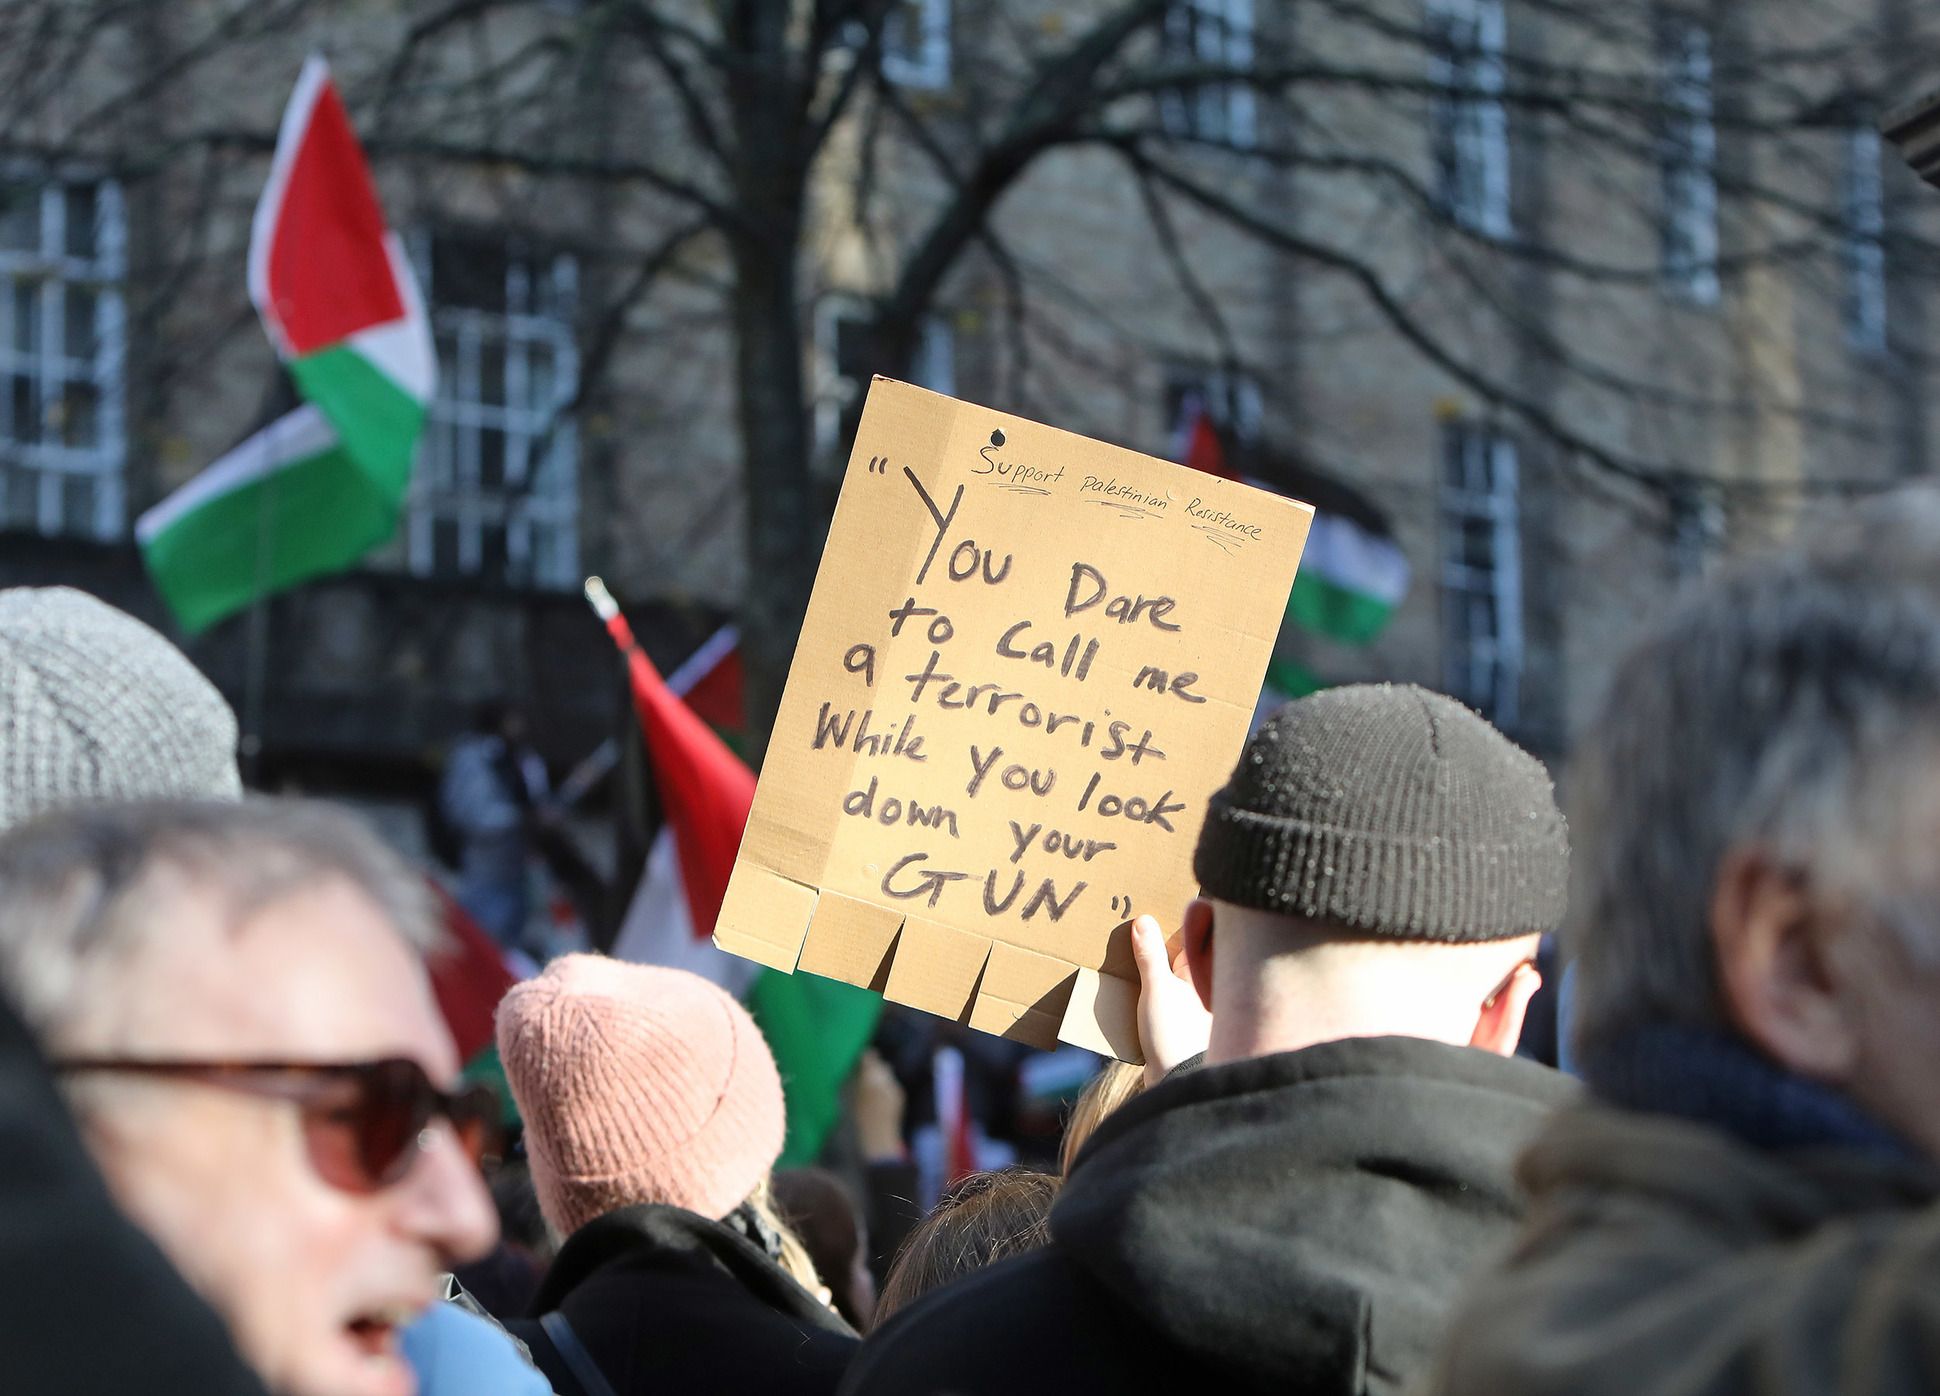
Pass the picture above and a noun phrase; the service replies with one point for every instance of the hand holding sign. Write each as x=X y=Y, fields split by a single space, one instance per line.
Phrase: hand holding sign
x=1029 y=660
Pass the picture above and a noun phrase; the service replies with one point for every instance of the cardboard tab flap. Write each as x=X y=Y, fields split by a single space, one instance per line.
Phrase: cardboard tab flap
x=851 y=940
x=765 y=917
x=1023 y=996
x=936 y=968
x=1103 y=1016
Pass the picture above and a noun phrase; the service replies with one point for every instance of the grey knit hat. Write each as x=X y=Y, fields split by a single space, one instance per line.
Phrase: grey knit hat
x=1391 y=810
x=94 y=705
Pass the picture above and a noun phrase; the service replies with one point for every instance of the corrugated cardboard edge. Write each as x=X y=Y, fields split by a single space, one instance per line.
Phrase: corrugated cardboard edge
x=989 y=985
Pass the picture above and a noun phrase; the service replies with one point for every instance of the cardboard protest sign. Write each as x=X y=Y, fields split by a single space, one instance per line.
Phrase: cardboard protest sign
x=1029 y=660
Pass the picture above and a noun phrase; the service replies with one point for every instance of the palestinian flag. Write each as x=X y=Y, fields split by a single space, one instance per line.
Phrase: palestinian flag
x=468 y=976
x=316 y=490
x=1350 y=581
x=1200 y=447
x=713 y=683
x=816 y=1027
x=1352 y=575
x=705 y=792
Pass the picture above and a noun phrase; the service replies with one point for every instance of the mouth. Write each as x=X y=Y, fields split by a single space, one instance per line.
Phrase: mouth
x=375 y=1337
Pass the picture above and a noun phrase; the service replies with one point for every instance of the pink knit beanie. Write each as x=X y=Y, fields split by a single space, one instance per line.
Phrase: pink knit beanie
x=638 y=1084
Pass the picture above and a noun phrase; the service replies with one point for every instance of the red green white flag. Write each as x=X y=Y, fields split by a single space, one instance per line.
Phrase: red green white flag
x=1353 y=574
x=316 y=490
x=816 y=1027
x=1203 y=449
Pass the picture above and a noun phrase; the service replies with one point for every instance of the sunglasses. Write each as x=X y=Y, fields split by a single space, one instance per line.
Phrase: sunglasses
x=364 y=1123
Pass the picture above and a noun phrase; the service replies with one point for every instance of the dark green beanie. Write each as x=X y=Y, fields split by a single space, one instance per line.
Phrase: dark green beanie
x=1388 y=809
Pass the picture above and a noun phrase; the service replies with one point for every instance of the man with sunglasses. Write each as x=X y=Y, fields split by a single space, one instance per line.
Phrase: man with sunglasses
x=236 y=999
x=1298 y=1212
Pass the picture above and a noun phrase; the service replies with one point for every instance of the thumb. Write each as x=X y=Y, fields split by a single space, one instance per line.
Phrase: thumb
x=1148 y=949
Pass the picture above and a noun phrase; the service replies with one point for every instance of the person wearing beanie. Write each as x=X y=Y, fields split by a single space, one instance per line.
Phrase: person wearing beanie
x=653 y=1117
x=1326 y=1149
x=95 y=706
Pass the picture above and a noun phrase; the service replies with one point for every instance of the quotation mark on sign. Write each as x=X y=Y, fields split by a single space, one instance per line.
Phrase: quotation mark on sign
x=879 y=465
x=1122 y=905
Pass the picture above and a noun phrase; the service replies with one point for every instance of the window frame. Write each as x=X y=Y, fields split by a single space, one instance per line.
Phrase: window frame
x=925 y=65
x=1482 y=669
x=536 y=503
x=1469 y=137
x=49 y=273
x=1865 y=308
x=1697 y=530
x=1233 y=398
x=839 y=396
x=1219 y=32
x=1688 y=233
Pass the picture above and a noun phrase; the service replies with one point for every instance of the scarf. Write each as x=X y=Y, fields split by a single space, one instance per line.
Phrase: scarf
x=1707 y=1075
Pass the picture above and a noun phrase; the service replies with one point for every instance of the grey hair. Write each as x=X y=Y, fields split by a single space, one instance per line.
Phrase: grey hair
x=1792 y=705
x=78 y=894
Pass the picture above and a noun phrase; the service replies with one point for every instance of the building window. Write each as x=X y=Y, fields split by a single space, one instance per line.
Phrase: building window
x=1688 y=163
x=1697 y=530
x=1231 y=399
x=1863 y=247
x=63 y=344
x=916 y=43
x=848 y=361
x=1214 y=34
x=496 y=491
x=1481 y=571
x=1469 y=122
x=935 y=365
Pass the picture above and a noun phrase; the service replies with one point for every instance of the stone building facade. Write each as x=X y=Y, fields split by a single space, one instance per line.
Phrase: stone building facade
x=1733 y=356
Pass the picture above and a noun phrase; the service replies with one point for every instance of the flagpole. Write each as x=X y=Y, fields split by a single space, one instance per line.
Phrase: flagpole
x=256 y=647
x=256 y=658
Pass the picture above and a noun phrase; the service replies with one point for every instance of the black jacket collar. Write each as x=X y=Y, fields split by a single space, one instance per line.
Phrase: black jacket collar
x=1308 y=1215
x=675 y=1237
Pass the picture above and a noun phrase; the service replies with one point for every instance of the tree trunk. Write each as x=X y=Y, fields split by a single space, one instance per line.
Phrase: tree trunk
x=782 y=526
x=770 y=178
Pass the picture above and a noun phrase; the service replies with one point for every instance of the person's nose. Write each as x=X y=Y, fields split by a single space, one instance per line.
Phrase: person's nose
x=444 y=1201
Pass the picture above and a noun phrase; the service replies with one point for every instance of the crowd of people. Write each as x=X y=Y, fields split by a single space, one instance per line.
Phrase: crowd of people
x=240 y=1157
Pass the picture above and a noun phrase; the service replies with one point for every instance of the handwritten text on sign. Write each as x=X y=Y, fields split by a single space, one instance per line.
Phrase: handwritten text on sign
x=1029 y=660
x=1025 y=720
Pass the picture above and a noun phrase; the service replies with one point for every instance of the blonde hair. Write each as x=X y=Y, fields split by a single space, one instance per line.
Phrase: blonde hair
x=1109 y=1089
x=794 y=1255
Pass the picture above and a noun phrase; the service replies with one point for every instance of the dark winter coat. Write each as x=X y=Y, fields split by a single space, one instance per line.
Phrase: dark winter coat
x=89 y=1306
x=1295 y=1223
x=664 y=1300
x=1667 y=1255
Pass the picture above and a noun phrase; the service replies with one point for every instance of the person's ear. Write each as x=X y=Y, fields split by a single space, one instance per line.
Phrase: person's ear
x=1779 y=985
x=1196 y=934
x=1499 y=1026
